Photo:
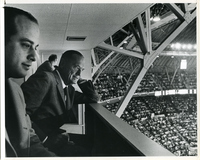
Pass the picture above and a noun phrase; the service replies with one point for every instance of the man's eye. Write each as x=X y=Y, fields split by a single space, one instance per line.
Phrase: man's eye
x=26 y=45
x=75 y=68
x=80 y=69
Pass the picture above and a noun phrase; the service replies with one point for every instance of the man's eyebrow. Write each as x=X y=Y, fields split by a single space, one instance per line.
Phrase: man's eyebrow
x=26 y=39
x=79 y=66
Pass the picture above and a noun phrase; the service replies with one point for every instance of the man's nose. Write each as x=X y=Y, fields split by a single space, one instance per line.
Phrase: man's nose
x=32 y=55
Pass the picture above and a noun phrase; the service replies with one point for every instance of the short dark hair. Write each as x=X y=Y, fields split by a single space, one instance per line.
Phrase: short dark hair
x=10 y=15
x=68 y=55
x=52 y=57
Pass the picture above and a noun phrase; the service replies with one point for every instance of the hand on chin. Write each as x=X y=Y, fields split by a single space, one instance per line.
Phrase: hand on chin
x=75 y=80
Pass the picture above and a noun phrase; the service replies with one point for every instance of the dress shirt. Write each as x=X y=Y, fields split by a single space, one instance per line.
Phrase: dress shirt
x=66 y=91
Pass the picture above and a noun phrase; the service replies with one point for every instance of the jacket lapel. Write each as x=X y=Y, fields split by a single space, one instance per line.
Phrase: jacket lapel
x=59 y=86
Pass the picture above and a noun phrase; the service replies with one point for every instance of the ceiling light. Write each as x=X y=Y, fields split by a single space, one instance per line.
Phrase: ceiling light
x=156 y=19
x=172 y=45
x=177 y=45
x=76 y=38
x=184 y=46
x=189 y=46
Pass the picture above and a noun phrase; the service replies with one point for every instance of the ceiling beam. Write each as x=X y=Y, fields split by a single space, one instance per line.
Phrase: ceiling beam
x=170 y=16
x=150 y=58
x=148 y=31
x=111 y=40
x=184 y=7
x=176 y=10
x=164 y=19
x=124 y=31
x=177 y=67
x=126 y=99
x=132 y=44
x=121 y=51
x=95 y=69
x=104 y=67
x=133 y=71
x=142 y=34
x=138 y=35
x=93 y=57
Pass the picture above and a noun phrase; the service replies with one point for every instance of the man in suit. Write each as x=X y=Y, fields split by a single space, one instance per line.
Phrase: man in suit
x=48 y=65
x=47 y=104
x=21 y=43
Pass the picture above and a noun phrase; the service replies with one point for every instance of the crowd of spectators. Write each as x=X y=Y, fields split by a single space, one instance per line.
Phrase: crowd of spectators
x=111 y=85
x=185 y=103
x=163 y=120
x=112 y=107
x=169 y=120
x=162 y=81
x=115 y=85
x=173 y=133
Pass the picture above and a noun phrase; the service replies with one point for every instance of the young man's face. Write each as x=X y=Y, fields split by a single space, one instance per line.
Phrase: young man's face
x=21 y=49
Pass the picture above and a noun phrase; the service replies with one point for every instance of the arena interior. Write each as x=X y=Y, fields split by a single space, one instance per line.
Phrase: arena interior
x=145 y=71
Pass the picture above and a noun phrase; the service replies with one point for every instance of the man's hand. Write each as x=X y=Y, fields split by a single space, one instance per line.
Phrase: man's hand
x=81 y=81
x=58 y=140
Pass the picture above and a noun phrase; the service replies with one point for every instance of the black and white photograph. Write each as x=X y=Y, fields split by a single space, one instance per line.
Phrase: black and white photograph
x=99 y=80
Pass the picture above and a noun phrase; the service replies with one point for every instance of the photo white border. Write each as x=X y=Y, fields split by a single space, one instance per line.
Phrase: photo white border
x=2 y=75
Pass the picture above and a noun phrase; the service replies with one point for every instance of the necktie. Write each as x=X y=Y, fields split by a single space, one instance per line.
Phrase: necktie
x=67 y=100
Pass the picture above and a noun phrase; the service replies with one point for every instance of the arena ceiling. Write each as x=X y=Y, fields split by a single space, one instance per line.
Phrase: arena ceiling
x=168 y=60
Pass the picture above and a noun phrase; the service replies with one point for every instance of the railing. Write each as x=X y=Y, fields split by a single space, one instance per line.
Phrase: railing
x=112 y=136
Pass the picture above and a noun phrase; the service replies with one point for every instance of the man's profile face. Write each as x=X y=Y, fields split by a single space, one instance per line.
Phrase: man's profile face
x=55 y=63
x=21 y=49
x=72 y=70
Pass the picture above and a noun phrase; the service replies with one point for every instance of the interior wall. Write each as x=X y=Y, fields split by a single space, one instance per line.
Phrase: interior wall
x=87 y=73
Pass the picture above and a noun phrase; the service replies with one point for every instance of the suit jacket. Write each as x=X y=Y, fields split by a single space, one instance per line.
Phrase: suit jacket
x=44 y=96
x=46 y=66
x=21 y=139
